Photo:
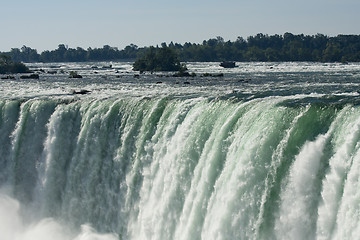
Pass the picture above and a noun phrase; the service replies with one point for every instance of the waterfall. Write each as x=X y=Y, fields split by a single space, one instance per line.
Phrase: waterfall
x=179 y=168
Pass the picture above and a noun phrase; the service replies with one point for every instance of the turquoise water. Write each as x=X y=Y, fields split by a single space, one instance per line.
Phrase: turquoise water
x=269 y=151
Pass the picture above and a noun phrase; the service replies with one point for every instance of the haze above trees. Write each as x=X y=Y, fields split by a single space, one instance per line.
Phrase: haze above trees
x=261 y=47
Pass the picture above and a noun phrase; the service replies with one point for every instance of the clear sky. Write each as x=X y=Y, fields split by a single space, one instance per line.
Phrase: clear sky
x=44 y=24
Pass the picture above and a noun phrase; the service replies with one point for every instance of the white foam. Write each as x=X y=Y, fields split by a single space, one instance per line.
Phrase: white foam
x=13 y=226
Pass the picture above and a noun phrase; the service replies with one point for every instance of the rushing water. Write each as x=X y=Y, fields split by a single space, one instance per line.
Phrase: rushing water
x=268 y=151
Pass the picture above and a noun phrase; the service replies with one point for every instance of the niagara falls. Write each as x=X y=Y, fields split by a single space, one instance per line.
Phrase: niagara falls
x=266 y=151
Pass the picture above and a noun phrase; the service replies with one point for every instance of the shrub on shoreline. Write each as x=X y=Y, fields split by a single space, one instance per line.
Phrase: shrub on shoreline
x=8 y=66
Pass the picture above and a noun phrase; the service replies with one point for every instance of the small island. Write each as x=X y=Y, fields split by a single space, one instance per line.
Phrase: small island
x=159 y=59
x=8 y=66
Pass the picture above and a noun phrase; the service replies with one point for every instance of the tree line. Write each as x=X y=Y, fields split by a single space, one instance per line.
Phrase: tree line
x=261 y=47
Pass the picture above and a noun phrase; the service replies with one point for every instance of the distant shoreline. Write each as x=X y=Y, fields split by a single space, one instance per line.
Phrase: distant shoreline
x=259 y=48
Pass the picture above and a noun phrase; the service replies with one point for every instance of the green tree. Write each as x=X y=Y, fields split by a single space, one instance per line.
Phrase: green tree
x=272 y=55
x=130 y=51
x=332 y=53
x=255 y=54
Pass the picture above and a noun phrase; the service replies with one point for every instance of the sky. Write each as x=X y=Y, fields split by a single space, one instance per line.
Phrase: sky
x=44 y=24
